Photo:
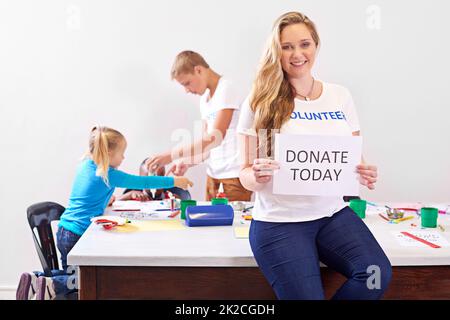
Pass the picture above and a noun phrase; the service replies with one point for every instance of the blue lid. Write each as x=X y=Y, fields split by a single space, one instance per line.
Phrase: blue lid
x=222 y=215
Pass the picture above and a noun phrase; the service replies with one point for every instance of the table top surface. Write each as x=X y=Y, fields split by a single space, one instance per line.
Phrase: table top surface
x=175 y=244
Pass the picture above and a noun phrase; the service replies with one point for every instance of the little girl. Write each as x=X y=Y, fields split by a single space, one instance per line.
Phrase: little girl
x=94 y=184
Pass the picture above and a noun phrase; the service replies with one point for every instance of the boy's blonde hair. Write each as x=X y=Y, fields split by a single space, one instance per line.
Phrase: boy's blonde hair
x=185 y=62
x=101 y=142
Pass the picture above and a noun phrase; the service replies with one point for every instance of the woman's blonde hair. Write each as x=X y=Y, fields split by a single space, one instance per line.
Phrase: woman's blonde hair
x=185 y=62
x=101 y=142
x=272 y=96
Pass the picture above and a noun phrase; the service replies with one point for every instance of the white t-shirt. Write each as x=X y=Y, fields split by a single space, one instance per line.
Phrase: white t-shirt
x=223 y=160
x=333 y=113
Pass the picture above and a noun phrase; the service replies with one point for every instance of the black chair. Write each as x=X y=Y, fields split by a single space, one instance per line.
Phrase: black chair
x=40 y=217
x=348 y=198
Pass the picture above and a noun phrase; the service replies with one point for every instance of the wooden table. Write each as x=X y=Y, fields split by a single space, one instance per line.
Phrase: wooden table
x=211 y=263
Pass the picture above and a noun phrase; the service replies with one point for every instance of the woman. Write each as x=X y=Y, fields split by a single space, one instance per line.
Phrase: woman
x=289 y=235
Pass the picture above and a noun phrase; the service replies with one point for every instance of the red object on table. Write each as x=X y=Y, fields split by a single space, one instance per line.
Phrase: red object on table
x=107 y=224
x=420 y=240
x=221 y=192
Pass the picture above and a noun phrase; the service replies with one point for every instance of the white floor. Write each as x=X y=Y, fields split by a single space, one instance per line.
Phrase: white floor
x=7 y=293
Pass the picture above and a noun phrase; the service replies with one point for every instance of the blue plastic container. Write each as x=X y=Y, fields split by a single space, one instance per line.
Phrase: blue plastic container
x=197 y=216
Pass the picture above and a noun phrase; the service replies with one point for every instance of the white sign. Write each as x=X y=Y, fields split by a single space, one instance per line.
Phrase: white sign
x=317 y=165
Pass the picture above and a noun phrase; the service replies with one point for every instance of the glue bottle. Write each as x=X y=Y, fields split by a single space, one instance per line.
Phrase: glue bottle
x=171 y=200
x=152 y=191
x=221 y=193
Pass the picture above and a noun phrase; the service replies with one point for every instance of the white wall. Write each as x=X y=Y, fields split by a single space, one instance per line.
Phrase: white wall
x=67 y=65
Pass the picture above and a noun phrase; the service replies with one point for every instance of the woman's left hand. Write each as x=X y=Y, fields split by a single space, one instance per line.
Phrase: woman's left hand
x=367 y=175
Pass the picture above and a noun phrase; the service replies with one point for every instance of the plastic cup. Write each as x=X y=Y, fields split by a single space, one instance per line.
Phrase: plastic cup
x=215 y=201
x=359 y=207
x=184 y=204
x=428 y=217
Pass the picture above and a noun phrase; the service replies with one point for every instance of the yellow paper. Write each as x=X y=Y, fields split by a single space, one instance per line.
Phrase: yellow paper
x=156 y=225
x=241 y=232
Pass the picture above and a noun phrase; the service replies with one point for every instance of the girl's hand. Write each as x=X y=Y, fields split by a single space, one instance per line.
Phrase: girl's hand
x=263 y=169
x=111 y=200
x=367 y=175
x=178 y=169
x=182 y=182
x=135 y=195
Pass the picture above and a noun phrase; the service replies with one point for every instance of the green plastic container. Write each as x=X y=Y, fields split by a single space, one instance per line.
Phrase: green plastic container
x=359 y=206
x=184 y=204
x=215 y=201
x=428 y=217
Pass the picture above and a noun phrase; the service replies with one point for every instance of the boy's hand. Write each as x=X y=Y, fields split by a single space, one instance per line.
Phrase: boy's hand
x=135 y=195
x=178 y=169
x=153 y=163
x=182 y=182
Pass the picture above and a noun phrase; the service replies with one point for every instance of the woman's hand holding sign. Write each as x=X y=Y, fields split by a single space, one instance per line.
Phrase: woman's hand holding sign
x=263 y=169
x=367 y=175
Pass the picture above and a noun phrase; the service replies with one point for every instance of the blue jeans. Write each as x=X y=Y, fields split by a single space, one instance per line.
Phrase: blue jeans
x=288 y=255
x=183 y=194
x=66 y=240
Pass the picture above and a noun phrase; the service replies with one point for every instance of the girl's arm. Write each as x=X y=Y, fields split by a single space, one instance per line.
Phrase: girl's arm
x=121 y=179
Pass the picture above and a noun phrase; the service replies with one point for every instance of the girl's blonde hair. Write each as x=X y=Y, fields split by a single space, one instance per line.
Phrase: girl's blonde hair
x=272 y=96
x=185 y=62
x=101 y=142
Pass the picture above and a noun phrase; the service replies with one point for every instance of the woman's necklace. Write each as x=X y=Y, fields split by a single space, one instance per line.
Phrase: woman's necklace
x=307 y=97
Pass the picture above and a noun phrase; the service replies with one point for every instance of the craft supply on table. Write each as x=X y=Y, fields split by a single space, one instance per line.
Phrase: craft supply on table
x=419 y=239
x=174 y=214
x=150 y=226
x=401 y=219
x=394 y=213
x=359 y=207
x=109 y=222
x=219 y=201
x=428 y=217
x=237 y=205
x=221 y=192
x=221 y=215
x=241 y=232
x=184 y=204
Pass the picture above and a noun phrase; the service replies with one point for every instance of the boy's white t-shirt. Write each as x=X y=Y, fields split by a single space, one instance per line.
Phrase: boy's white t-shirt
x=223 y=161
x=333 y=113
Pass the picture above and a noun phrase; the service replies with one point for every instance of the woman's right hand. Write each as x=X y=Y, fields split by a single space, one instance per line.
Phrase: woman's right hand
x=182 y=182
x=263 y=169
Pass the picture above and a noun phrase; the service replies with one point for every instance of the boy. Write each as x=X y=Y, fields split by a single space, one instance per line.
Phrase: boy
x=219 y=107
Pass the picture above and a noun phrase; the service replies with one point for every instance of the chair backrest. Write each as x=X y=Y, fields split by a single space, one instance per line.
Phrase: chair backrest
x=40 y=216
